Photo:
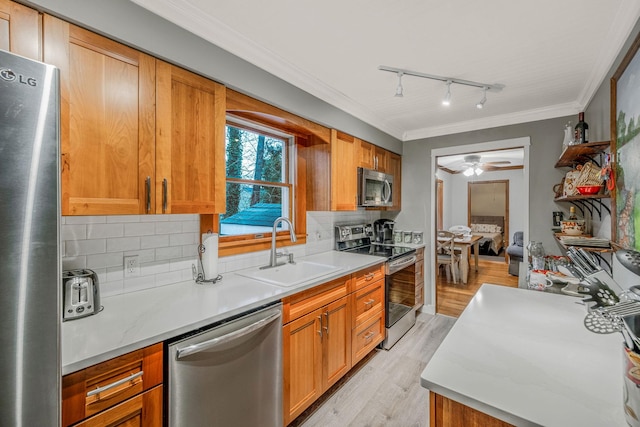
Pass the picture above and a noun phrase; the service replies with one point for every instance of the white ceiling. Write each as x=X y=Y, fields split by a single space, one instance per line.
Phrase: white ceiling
x=551 y=55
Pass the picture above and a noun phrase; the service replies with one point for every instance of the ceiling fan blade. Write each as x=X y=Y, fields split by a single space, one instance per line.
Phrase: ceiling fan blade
x=500 y=162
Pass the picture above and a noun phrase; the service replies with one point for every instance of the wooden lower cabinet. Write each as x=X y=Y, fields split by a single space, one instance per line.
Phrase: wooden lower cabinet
x=143 y=410
x=317 y=353
x=124 y=391
x=444 y=412
x=327 y=330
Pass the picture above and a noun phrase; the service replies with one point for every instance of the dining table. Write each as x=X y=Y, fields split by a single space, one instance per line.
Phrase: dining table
x=464 y=242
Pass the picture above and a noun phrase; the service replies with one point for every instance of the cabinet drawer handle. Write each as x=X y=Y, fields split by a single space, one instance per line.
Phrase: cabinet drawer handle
x=131 y=378
x=369 y=335
x=369 y=276
x=147 y=186
x=164 y=195
x=326 y=328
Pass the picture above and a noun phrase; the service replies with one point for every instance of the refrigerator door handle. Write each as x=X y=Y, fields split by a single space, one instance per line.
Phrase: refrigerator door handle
x=196 y=348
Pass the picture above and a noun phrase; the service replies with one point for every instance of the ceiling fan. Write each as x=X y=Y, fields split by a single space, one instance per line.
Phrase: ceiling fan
x=474 y=165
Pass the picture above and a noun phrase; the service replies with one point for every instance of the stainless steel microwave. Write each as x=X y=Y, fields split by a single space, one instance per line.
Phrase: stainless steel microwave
x=374 y=188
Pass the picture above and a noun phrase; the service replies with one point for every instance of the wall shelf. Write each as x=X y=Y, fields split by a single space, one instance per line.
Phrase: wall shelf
x=581 y=153
x=591 y=203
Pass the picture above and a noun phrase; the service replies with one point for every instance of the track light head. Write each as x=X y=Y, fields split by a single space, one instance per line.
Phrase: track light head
x=447 y=96
x=480 y=104
x=399 y=88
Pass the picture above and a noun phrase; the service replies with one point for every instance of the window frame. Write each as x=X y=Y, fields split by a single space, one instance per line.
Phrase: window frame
x=288 y=181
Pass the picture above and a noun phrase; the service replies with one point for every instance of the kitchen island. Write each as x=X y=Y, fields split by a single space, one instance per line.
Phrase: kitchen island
x=525 y=358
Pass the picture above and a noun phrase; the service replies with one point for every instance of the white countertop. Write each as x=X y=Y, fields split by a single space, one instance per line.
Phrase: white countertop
x=135 y=320
x=526 y=358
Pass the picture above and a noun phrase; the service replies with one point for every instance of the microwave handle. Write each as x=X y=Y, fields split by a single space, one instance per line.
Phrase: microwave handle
x=387 y=193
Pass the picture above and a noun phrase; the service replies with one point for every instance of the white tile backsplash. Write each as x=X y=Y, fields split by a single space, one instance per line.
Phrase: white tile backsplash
x=167 y=246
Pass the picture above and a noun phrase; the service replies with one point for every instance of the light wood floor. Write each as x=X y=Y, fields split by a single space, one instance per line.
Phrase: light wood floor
x=452 y=298
x=384 y=388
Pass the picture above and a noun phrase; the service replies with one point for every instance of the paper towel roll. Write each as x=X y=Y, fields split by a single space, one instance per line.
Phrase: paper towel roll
x=210 y=255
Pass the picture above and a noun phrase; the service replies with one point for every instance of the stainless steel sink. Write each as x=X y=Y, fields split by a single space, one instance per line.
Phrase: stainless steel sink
x=287 y=275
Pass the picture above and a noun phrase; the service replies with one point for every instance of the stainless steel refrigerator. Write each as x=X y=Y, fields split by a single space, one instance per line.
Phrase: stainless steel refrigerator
x=29 y=243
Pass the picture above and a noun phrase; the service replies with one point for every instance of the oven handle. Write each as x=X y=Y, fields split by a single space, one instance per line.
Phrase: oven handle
x=401 y=263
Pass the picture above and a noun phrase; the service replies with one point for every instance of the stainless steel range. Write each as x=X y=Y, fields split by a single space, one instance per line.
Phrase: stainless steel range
x=400 y=302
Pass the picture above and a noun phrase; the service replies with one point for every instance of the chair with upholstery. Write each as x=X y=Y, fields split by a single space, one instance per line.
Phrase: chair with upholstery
x=446 y=253
x=515 y=252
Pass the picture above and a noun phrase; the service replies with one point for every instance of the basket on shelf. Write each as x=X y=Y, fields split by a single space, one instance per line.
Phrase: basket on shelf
x=589 y=175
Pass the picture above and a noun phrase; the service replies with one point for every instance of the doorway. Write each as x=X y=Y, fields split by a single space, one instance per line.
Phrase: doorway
x=488 y=205
x=453 y=213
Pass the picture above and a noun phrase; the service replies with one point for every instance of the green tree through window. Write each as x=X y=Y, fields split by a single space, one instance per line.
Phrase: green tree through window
x=257 y=185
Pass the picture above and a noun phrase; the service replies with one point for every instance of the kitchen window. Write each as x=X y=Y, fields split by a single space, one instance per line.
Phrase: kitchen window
x=259 y=185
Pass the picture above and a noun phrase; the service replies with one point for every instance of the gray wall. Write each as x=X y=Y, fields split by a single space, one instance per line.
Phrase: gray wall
x=132 y=25
x=546 y=145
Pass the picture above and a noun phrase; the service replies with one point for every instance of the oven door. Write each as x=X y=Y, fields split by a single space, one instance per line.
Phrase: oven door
x=400 y=289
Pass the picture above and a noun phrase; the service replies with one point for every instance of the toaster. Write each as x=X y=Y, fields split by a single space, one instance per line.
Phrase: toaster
x=81 y=294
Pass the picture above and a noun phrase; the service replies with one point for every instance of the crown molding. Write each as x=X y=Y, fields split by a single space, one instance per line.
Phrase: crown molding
x=619 y=31
x=550 y=112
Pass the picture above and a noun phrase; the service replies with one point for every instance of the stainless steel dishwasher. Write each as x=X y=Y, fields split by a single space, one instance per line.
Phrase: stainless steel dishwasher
x=229 y=374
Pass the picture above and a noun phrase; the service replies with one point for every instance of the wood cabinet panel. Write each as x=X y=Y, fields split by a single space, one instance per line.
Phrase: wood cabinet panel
x=107 y=121
x=120 y=378
x=143 y=410
x=367 y=302
x=20 y=30
x=311 y=299
x=302 y=361
x=365 y=155
x=190 y=142
x=395 y=169
x=337 y=341
x=344 y=174
x=444 y=412
x=367 y=336
x=368 y=275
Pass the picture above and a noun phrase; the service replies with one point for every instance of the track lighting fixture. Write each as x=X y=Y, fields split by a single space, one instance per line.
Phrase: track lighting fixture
x=447 y=96
x=480 y=104
x=448 y=80
x=399 y=88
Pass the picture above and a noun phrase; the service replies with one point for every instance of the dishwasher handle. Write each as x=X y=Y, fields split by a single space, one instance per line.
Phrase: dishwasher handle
x=205 y=345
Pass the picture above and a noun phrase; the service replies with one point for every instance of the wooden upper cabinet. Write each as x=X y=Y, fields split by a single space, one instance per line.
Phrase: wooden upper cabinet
x=395 y=169
x=372 y=157
x=366 y=154
x=344 y=174
x=20 y=30
x=107 y=121
x=190 y=158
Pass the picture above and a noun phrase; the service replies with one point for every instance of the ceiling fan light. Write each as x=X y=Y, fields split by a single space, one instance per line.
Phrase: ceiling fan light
x=468 y=172
x=478 y=171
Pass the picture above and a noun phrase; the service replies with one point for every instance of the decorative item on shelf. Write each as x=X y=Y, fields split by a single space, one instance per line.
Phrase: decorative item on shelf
x=418 y=237
x=589 y=190
x=606 y=173
x=558 y=216
x=407 y=236
x=558 y=189
x=568 y=136
x=397 y=236
x=590 y=175
x=582 y=130
x=570 y=180
x=573 y=226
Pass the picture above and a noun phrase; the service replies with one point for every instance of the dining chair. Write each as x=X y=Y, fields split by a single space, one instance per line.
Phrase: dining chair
x=446 y=254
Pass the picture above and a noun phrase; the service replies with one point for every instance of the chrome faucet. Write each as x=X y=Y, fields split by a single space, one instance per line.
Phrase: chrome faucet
x=274 y=255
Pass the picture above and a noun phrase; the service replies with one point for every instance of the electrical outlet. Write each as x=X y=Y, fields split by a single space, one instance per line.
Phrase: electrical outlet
x=131 y=266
